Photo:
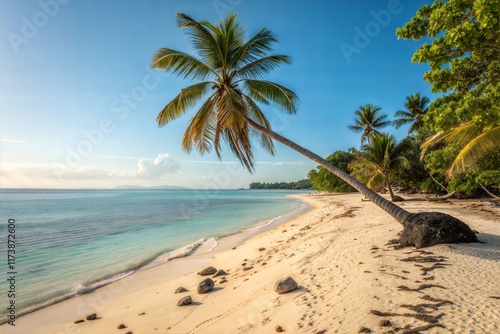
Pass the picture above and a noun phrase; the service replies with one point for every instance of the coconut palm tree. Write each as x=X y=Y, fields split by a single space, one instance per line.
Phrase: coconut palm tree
x=416 y=107
x=378 y=159
x=368 y=121
x=229 y=71
x=476 y=142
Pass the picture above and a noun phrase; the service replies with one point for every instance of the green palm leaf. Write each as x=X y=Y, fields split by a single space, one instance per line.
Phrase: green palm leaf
x=186 y=99
x=201 y=129
x=272 y=92
x=256 y=48
x=260 y=67
x=476 y=149
x=204 y=42
x=180 y=63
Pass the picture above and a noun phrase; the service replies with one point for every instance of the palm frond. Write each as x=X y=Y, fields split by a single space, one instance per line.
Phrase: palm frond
x=186 y=99
x=376 y=181
x=258 y=116
x=260 y=67
x=479 y=147
x=229 y=103
x=460 y=135
x=184 y=65
x=203 y=40
x=239 y=143
x=201 y=129
x=255 y=48
x=277 y=94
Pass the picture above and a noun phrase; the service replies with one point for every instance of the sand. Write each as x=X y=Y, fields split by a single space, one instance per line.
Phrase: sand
x=351 y=280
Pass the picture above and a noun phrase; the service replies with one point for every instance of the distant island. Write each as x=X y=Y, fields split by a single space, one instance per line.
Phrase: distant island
x=302 y=184
x=130 y=187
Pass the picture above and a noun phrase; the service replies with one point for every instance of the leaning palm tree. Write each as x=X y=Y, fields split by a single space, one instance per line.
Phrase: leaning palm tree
x=416 y=107
x=230 y=90
x=369 y=121
x=378 y=159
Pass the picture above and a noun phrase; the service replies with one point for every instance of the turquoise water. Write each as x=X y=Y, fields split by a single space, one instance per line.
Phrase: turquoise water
x=70 y=242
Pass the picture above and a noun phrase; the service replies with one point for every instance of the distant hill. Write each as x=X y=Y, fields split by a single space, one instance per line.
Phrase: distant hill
x=141 y=187
x=302 y=184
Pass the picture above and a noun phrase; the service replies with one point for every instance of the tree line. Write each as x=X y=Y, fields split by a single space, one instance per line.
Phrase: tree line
x=302 y=184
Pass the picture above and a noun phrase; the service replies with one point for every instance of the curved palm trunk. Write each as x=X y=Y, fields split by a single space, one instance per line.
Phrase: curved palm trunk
x=388 y=184
x=397 y=212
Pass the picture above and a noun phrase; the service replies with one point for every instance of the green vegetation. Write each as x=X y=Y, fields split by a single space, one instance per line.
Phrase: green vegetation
x=229 y=71
x=378 y=159
x=302 y=184
x=323 y=180
x=453 y=143
x=369 y=121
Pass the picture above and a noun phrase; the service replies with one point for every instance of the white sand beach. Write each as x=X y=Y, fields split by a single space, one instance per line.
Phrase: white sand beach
x=351 y=280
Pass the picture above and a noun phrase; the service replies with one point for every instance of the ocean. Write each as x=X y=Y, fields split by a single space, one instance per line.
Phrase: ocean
x=70 y=242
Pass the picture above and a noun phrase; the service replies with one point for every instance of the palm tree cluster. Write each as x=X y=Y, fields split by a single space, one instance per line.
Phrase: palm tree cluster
x=229 y=71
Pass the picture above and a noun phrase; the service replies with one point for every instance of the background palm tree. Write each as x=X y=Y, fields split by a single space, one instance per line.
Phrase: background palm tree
x=378 y=159
x=230 y=70
x=476 y=143
x=368 y=121
x=416 y=107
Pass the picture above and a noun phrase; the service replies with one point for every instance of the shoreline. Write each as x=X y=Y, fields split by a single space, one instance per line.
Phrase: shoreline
x=179 y=254
x=348 y=276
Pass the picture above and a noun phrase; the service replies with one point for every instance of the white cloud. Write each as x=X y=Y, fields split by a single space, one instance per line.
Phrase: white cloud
x=13 y=141
x=161 y=165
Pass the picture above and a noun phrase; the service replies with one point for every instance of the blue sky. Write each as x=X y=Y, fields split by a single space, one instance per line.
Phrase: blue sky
x=78 y=101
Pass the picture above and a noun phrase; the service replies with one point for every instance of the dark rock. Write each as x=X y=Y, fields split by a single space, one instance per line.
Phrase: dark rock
x=364 y=330
x=285 y=285
x=220 y=272
x=92 y=316
x=180 y=290
x=398 y=199
x=206 y=285
x=79 y=321
x=426 y=229
x=223 y=280
x=142 y=313
x=208 y=271
x=261 y=249
x=187 y=300
x=121 y=326
x=247 y=268
x=278 y=329
x=385 y=323
x=129 y=332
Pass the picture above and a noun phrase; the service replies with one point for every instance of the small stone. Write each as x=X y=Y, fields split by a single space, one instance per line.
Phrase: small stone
x=285 y=285
x=129 y=332
x=205 y=285
x=187 y=300
x=385 y=323
x=261 y=249
x=121 y=326
x=79 y=321
x=180 y=290
x=92 y=316
x=223 y=280
x=278 y=329
x=208 y=271
x=220 y=272
x=142 y=313
x=364 y=330
x=292 y=255
x=247 y=268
